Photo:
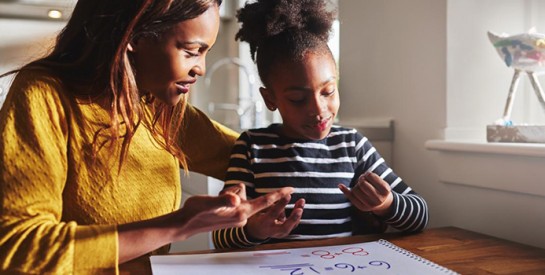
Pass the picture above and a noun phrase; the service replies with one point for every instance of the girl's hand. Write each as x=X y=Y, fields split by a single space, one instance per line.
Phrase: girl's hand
x=371 y=193
x=229 y=209
x=272 y=222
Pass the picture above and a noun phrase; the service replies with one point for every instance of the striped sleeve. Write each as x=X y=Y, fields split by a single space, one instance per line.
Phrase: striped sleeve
x=238 y=172
x=409 y=211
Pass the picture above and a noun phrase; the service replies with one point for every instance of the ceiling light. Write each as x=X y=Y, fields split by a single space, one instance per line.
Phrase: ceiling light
x=54 y=14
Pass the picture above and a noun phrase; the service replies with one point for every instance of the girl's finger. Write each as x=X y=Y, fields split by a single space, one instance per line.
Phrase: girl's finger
x=357 y=202
x=378 y=183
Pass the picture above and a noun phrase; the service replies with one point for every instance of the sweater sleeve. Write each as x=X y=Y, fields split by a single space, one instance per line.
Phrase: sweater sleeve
x=33 y=172
x=206 y=143
x=409 y=211
x=239 y=171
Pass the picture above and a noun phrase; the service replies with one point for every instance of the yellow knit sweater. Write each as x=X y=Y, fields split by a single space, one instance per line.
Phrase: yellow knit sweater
x=58 y=207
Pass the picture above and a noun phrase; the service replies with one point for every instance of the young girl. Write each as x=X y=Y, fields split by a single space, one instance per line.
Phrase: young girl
x=93 y=137
x=340 y=180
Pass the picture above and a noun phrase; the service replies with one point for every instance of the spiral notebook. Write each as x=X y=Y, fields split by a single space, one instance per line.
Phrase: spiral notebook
x=378 y=257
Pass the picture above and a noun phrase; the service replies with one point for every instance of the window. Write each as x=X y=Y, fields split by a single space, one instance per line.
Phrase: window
x=477 y=79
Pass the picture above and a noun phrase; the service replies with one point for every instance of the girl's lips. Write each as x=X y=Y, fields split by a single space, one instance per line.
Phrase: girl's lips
x=322 y=125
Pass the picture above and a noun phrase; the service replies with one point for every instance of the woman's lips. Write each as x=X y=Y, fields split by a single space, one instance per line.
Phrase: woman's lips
x=182 y=88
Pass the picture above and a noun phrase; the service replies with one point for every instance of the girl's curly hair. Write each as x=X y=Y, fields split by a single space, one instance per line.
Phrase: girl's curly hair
x=280 y=29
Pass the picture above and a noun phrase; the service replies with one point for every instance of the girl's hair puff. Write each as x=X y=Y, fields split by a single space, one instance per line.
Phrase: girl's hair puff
x=284 y=29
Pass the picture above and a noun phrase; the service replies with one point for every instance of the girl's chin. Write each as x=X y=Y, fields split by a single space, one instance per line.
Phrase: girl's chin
x=312 y=135
x=307 y=133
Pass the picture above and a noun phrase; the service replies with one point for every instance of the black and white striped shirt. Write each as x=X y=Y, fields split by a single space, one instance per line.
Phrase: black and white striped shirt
x=265 y=161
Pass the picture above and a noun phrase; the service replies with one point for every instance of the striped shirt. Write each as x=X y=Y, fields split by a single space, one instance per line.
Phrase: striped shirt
x=265 y=161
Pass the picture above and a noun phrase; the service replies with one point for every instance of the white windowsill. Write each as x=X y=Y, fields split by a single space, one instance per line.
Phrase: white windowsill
x=511 y=167
x=469 y=146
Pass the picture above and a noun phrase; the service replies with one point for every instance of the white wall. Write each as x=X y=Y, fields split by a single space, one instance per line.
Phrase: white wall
x=429 y=66
x=20 y=42
x=393 y=64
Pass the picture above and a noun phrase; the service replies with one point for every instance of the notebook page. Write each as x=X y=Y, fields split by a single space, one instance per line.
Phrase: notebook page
x=378 y=257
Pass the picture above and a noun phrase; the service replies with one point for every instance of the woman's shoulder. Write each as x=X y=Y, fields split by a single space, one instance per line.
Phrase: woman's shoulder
x=35 y=90
x=36 y=75
x=36 y=82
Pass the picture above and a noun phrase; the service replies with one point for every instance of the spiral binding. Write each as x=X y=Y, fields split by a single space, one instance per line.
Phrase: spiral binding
x=416 y=257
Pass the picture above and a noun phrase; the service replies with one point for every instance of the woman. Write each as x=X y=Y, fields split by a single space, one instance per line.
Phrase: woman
x=94 y=135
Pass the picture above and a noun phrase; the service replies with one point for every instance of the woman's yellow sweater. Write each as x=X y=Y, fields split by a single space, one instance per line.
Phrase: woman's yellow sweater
x=59 y=207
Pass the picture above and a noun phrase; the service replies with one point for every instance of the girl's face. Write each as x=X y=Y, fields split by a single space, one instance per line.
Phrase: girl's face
x=305 y=94
x=167 y=66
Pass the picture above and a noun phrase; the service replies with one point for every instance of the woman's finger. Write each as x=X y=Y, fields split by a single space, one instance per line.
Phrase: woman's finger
x=238 y=189
x=267 y=200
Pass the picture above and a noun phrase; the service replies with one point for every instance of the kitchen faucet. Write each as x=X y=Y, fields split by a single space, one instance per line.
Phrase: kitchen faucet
x=251 y=105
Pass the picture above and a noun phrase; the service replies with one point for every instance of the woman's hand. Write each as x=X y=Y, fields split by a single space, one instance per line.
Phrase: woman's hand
x=198 y=214
x=371 y=193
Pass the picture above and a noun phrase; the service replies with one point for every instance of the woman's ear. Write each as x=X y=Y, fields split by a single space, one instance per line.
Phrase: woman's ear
x=268 y=97
x=131 y=46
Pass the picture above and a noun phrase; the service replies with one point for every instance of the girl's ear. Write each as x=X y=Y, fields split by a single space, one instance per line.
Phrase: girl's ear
x=268 y=97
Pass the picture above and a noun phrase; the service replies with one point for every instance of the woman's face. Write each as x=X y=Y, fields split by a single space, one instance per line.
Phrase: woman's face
x=305 y=94
x=167 y=66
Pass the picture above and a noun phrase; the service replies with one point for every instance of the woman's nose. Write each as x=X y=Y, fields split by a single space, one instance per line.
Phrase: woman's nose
x=200 y=67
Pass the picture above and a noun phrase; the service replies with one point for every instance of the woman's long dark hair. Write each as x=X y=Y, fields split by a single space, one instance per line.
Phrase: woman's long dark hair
x=91 y=52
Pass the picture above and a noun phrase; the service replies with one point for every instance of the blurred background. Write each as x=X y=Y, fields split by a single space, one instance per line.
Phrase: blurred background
x=418 y=77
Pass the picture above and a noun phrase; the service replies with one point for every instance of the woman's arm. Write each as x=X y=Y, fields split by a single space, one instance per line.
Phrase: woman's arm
x=33 y=175
x=206 y=143
x=199 y=214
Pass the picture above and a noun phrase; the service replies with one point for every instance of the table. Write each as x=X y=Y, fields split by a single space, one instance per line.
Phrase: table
x=461 y=250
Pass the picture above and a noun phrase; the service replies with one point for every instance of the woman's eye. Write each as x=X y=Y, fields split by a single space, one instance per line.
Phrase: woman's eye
x=329 y=93
x=192 y=53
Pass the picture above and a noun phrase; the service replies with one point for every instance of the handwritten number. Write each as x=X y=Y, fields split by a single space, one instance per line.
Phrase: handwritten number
x=380 y=263
x=345 y=266
x=323 y=254
x=295 y=270
x=356 y=251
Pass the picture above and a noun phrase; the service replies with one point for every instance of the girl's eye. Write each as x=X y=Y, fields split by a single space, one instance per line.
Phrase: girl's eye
x=297 y=100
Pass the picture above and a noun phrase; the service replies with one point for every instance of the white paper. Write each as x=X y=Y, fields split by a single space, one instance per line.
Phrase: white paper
x=379 y=257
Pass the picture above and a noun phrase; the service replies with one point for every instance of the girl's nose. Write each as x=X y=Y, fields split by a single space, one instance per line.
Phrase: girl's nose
x=317 y=106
